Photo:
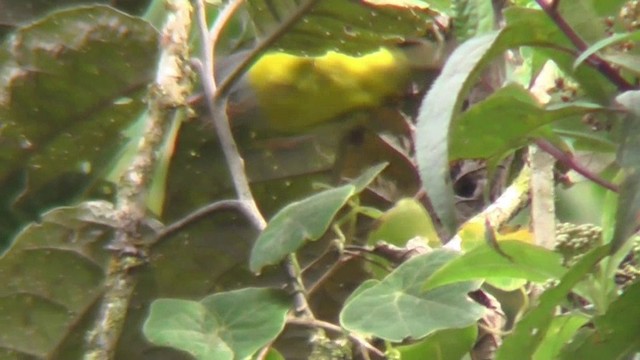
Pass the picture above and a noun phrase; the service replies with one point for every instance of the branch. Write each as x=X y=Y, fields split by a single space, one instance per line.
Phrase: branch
x=200 y=214
x=225 y=15
x=221 y=21
x=167 y=98
x=331 y=327
x=216 y=100
x=551 y=8
x=572 y=164
x=543 y=211
x=513 y=199
x=217 y=110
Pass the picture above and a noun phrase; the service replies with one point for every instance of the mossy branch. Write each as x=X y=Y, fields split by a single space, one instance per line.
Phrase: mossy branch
x=167 y=97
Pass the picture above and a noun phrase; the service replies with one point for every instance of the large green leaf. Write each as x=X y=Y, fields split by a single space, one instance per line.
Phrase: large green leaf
x=581 y=137
x=525 y=261
x=396 y=308
x=549 y=39
x=51 y=276
x=472 y=18
x=560 y=332
x=532 y=329
x=505 y=121
x=610 y=7
x=350 y=27
x=228 y=325
x=443 y=6
x=583 y=18
x=629 y=158
x=70 y=84
x=442 y=104
x=17 y=13
x=616 y=333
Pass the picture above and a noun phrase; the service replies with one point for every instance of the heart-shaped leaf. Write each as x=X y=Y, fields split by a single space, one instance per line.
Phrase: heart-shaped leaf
x=228 y=325
x=305 y=220
x=396 y=308
x=51 y=276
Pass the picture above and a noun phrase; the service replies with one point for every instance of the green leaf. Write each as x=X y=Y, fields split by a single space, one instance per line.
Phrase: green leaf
x=609 y=210
x=350 y=27
x=73 y=94
x=298 y=222
x=629 y=158
x=395 y=308
x=583 y=18
x=506 y=283
x=70 y=84
x=158 y=188
x=16 y=13
x=616 y=334
x=527 y=261
x=532 y=329
x=406 y=220
x=365 y=285
x=549 y=39
x=446 y=344
x=361 y=182
x=442 y=104
x=609 y=7
x=443 y=6
x=613 y=39
x=583 y=138
x=51 y=276
x=626 y=61
x=472 y=18
x=273 y=354
x=504 y=122
x=305 y=220
x=561 y=330
x=228 y=325
x=185 y=325
x=439 y=107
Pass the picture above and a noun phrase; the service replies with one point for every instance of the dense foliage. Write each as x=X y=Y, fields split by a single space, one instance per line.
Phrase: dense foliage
x=320 y=179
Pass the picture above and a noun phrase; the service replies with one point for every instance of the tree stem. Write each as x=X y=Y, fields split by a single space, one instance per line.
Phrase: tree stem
x=168 y=97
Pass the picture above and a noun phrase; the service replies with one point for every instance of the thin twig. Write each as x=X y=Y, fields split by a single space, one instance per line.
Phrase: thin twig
x=264 y=352
x=221 y=21
x=221 y=122
x=571 y=163
x=263 y=45
x=550 y=7
x=200 y=214
x=337 y=329
x=326 y=275
x=300 y=304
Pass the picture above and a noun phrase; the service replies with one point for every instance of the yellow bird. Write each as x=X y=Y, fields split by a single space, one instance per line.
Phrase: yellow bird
x=294 y=93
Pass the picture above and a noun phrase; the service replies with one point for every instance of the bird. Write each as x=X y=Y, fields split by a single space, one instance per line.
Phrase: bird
x=292 y=93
